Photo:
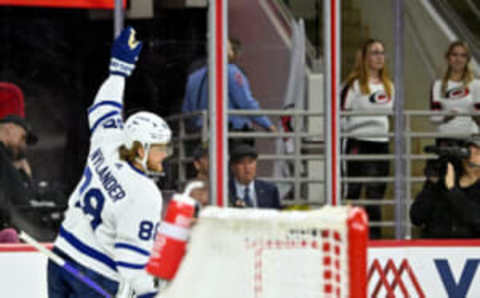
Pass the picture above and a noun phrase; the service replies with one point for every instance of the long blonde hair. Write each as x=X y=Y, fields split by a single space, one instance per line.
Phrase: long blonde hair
x=360 y=71
x=129 y=154
x=467 y=75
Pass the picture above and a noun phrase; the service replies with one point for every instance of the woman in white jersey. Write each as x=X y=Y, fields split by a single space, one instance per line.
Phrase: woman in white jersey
x=368 y=88
x=456 y=92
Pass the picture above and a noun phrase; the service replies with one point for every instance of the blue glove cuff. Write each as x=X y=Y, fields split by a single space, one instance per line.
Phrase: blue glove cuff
x=121 y=67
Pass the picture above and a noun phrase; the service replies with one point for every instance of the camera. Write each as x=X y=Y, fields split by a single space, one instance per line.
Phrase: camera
x=453 y=152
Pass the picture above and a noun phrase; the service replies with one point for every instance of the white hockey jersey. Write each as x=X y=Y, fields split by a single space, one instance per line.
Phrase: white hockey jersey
x=115 y=210
x=376 y=101
x=460 y=98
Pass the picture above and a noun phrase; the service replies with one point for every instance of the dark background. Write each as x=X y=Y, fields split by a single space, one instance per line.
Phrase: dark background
x=59 y=58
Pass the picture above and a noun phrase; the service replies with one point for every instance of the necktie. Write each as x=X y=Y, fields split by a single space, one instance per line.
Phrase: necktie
x=246 y=197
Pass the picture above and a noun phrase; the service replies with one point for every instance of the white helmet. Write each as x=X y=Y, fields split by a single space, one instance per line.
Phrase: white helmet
x=148 y=129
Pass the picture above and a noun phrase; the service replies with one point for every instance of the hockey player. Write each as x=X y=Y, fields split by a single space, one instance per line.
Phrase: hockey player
x=114 y=211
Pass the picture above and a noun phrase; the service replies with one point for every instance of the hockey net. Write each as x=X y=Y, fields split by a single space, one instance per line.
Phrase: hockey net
x=252 y=253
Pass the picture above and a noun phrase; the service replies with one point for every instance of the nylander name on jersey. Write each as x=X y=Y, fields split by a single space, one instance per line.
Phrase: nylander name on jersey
x=96 y=232
x=108 y=180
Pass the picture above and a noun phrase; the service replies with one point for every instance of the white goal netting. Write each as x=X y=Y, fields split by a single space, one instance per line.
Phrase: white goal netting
x=252 y=253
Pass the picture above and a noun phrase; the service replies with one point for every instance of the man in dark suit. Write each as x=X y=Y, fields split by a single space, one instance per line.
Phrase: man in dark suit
x=244 y=189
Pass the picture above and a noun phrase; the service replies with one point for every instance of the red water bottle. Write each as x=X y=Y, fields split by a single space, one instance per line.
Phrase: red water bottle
x=171 y=240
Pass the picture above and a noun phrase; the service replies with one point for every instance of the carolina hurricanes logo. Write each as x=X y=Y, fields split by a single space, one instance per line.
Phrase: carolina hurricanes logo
x=239 y=78
x=379 y=97
x=457 y=93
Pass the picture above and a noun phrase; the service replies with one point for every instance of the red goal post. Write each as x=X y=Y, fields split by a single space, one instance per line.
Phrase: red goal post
x=253 y=253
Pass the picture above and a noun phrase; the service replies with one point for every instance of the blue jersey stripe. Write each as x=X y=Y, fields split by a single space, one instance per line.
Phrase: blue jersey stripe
x=136 y=170
x=97 y=123
x=105 y=103
x=132 y=248
x=87 y=250
x=148 y=295
x=131 y=265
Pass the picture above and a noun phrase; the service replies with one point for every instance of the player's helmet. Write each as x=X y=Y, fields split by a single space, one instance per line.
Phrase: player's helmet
x=148 y=129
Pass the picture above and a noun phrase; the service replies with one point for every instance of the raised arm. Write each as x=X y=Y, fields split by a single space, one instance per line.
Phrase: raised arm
x=105 y=114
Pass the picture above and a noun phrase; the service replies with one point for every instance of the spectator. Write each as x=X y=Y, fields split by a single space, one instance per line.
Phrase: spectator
x=200 y=162
x=9 y=235
x=456 y=92
x=450 y=208
x=368 y=88
x=15 y=135
x=11 y=100
x=239 y=97
x=244 y=189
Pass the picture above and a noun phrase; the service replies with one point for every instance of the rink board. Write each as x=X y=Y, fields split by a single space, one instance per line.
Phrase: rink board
x=420 y=268
x=425 y=268
x=22 y=271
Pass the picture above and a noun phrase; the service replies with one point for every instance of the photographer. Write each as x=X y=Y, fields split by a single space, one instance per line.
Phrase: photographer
x=450 y=206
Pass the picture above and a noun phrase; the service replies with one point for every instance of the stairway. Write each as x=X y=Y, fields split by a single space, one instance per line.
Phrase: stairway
x=464 y=19
x=354 y=33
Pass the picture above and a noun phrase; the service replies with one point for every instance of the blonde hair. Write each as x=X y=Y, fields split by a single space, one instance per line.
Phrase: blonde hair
x=360 y=71
x=129 y=154
x=467 y=75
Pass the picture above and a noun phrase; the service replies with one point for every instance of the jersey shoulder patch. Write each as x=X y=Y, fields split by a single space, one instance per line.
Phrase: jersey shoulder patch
x=239 y=79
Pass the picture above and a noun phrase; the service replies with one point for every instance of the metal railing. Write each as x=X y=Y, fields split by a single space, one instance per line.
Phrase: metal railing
x=415 y=140
x=181 y=134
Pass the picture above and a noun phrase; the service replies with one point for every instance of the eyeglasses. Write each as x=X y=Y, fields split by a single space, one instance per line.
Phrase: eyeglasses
x=377 y=53
x=463 y=55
